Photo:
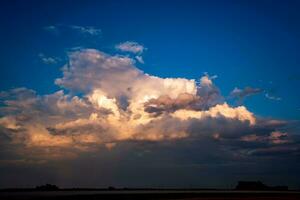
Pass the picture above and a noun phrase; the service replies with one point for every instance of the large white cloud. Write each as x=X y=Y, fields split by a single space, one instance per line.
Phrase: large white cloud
x=118 y=102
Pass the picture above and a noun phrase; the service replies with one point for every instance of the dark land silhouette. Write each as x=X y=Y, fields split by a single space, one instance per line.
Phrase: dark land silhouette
x=248 y=190
x=258 y=185
x=47 y=187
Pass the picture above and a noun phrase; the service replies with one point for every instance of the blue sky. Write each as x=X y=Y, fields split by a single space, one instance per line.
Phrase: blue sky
x=245 y=43
x=245 y=52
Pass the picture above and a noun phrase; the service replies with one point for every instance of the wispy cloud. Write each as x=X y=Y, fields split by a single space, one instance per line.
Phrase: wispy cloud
x=84 y=30
x=52 y=29
x=140 y=59
x=130 y=46
x=90 y=30
x=48 y=59
x=268 y=96
x=241 y=94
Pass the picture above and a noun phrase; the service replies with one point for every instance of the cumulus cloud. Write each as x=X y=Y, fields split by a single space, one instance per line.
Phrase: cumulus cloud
x=117 y=102
x=130 y=46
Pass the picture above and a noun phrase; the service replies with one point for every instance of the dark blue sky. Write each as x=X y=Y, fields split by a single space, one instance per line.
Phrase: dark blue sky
x=245 y=43
x=251 y=45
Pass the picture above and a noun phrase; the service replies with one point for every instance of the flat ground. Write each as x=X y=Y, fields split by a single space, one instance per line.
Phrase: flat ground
x=151 y=195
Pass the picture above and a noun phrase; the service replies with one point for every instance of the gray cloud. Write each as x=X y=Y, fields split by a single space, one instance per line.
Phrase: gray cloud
x=241 y=94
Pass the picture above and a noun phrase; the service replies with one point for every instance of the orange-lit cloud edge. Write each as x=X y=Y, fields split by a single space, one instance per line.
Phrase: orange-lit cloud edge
x=105 y=99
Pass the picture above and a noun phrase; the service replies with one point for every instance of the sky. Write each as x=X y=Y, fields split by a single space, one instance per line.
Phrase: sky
x=149 y=93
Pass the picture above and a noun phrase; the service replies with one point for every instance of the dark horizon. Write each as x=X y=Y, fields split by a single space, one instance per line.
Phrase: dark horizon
x=240 y=186
x=149 y=93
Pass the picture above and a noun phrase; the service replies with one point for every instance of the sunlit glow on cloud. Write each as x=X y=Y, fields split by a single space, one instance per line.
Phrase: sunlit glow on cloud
x=107 y=100
x=221 y=110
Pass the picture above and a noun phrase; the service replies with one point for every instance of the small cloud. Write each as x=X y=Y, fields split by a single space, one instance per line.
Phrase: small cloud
x=52 y=29
x=89 y=30
x=210 y=77
x=140 y=59
x=268 y=96
x=76 y=48
x=206 y=79
x=130 y=46
x=49 y=60
x=241 y=94
x=86 y=30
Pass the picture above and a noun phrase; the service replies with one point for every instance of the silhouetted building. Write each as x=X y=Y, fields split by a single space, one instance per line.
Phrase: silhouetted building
x=47 y=187
x=111 y=188
x=257 y=185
